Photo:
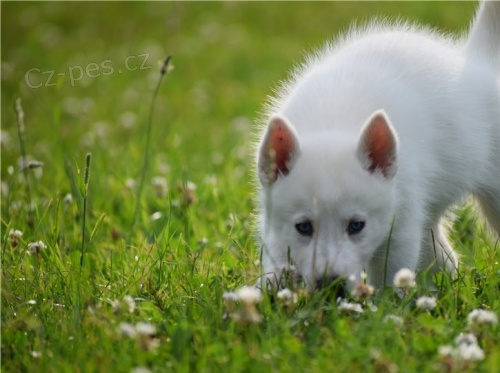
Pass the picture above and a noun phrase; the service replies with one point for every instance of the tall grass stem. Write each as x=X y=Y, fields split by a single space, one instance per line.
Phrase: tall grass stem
x=163 y=71
x=22 y=143
x=86 y=176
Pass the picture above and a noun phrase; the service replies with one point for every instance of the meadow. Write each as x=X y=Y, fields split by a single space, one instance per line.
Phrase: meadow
x=127 y=228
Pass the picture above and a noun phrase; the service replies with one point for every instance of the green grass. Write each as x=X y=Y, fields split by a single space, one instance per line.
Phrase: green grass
x=187 y=247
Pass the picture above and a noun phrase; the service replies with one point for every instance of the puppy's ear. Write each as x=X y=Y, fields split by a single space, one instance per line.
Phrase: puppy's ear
x=378 y=146
x=278 y=151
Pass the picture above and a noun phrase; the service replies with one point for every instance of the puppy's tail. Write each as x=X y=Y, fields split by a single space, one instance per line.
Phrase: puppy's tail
x=484 y=36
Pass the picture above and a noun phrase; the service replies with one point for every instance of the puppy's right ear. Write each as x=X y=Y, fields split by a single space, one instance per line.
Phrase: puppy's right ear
x=278 y=151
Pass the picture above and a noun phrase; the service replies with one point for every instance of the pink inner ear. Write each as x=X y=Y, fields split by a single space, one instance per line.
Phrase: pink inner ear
x=380 y=145
x=281 y=143
x=277 y=151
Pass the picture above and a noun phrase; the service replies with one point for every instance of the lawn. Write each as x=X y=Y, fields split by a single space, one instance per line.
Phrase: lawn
x=129 y=224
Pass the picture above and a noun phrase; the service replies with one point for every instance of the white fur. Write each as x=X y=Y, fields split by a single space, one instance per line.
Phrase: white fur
x=441 y=98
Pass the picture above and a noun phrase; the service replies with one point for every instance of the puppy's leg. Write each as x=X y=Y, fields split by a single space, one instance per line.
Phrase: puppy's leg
x=402 y=250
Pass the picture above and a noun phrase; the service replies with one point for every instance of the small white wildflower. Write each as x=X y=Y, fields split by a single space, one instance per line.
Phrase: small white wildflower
x=466 y=338
x=128 y=119
x=144 y=328
x=15 y=233
x=479 y=317
x=160 y=185
x=467 y=349
x=129 y=301
x=230 y=297
x=68 y=199
x=446 y=350
x=156 y=216
x=287 y=296
x=362 y=291
x=36 y=247
x=404 y=279
x=127 y=329
x=31 y=301
x=130 y=183
x=247 y=313
x=146 y=336
x=284 y=294
x=116 y=304
x=470 y=352
x=188 y=193
x=15 y=236
x=249 y=295
x=426 y=303
x=396 y=320
x=347 y=307
x=36 y=354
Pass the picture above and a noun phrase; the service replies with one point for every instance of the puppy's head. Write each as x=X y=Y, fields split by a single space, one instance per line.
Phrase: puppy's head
x=327 y=200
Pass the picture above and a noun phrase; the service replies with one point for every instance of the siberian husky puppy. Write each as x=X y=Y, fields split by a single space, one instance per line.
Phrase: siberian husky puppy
x=368 y=145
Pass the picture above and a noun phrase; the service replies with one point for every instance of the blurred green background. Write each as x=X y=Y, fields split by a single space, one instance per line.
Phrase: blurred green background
x=227 y=57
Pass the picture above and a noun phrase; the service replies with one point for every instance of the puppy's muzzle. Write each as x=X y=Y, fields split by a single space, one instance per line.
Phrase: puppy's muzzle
x=334 y=285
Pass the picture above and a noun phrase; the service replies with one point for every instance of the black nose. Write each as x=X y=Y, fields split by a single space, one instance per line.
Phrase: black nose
x=332 y=284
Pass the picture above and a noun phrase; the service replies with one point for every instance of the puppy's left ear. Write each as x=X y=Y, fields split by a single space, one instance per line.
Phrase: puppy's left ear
x=378 y=146
x=278 y=151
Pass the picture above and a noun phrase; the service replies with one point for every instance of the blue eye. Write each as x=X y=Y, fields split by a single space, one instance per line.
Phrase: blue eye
x=305 y=228
x=355 y=226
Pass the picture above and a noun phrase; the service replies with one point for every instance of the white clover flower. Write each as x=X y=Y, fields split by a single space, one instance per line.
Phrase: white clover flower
x=446 y=350
x=469 y=352
x=144 y=333
x=230 y=297
x=130 y=183
x=479 y=317
x=404 y=279
x=188 y=193
x=347 y=307
x=15 y=236
x=249 y=295
x=156 y=216
x=287 y=296
x=15 y=233
x=36 y=247
x=426 y=303
x=36 y=354
x=68 y=199
x=396 y=320
x=160 y=185
x=466 y=350
x=466 y=338
x=129 y=301
x=116 y=304
x=31 y=301
x=362 y=291
x=144 y=328
x=127 y=329
x=146 y=336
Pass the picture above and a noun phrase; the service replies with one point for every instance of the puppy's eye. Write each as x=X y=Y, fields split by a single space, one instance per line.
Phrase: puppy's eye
x=305 y=228
x=355 y=226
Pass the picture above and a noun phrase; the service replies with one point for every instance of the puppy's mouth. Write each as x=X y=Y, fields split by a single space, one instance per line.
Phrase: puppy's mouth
x=334 y=286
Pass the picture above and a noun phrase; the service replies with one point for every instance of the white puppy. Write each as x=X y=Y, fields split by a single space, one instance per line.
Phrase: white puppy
x=368 y=145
